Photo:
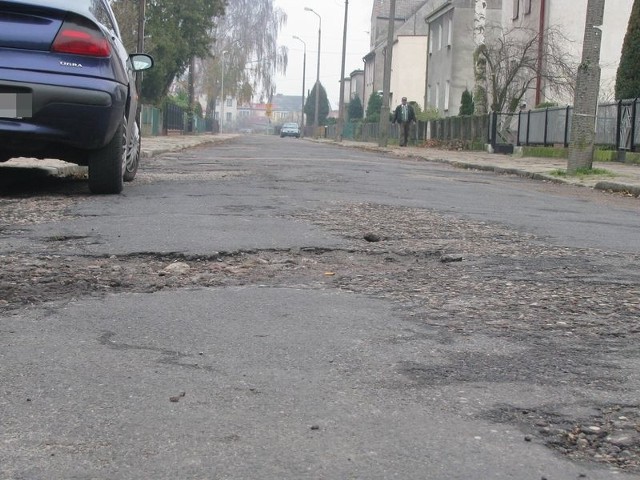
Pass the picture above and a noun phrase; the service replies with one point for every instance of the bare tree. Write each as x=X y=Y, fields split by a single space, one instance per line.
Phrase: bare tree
x=513 y=65
x=245 y=52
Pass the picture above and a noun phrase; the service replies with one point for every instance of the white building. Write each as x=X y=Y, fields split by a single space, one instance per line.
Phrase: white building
x=544 y=14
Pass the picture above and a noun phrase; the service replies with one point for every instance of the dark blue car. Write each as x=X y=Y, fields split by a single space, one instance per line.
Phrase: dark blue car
x=67 y=88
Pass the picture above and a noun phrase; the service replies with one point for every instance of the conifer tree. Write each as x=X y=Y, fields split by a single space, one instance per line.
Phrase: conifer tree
x=374 y=105
x=466 y=103
x=323 y=108
x=355 y=110
x=628 y=76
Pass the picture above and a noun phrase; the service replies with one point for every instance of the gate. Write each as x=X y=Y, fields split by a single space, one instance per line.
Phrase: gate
x=503 y=131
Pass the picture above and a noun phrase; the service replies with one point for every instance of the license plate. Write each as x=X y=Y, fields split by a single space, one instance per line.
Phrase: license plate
x=16 y=105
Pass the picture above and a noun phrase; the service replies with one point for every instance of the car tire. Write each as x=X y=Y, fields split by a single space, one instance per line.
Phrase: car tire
x=132 y=155
x=105 y=165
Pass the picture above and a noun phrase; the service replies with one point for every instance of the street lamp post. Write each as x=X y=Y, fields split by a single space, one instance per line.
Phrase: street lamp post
x=222 y=92
x=304 y=73
x=315 y=114
x=141 y=22
x=344 y=51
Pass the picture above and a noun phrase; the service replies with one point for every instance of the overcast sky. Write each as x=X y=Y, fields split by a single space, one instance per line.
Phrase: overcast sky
x=305 y=25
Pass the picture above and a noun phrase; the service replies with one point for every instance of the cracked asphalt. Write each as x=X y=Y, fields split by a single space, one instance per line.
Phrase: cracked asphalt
x=310 y=326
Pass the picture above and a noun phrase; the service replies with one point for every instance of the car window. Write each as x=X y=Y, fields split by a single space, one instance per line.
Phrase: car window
x=103 y=15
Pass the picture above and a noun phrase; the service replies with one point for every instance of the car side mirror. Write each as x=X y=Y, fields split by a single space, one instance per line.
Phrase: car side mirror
x=141 y=61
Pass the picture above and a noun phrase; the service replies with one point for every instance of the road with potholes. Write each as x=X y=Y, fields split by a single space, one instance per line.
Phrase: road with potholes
x=275 y=308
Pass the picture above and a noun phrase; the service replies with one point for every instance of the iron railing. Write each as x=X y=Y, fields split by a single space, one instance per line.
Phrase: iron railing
x=172 y=119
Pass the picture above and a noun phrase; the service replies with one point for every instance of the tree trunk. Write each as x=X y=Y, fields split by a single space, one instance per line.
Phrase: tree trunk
x=587 y=87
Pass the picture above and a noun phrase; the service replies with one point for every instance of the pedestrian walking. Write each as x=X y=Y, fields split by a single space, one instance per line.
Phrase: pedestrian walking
x=405 y=116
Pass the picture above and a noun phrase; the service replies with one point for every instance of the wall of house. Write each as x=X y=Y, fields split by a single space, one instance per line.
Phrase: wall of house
x=357 y=85
x=570 y=21
x=450 y=68
x=369 y=78
x=409 y=69
x=616 y=18
x=407 y=22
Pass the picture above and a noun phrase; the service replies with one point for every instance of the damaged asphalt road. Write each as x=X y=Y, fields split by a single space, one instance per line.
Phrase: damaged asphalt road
x=238 y=314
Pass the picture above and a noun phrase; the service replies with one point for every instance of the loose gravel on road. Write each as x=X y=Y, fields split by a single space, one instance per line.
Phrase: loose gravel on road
x=573 y=307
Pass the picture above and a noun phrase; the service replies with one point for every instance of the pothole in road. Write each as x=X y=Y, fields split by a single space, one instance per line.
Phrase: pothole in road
x=610 y=434
x=502 y=284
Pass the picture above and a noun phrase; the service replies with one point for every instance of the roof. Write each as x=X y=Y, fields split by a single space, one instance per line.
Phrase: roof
x=287 y=103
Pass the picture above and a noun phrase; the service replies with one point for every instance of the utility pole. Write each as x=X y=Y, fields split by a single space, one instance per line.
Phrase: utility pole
x=585 y=102
x=317 y=100
x=386 y=83
x=192 y=95
x=341 y=115
x=304 y=75
x=140 y=48
x=480 y=62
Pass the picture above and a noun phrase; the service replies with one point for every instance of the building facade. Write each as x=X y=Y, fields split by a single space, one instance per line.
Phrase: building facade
x=444 y=63
x=541 y=15
x=450 y=51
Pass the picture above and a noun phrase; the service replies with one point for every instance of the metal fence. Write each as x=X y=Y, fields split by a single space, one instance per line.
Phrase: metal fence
x=150 y=121
x=172 y=119
x=617 y=126
x=370 y=132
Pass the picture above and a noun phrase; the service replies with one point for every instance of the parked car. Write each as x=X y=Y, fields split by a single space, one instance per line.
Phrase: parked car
x=68 y=90
x=290 y=130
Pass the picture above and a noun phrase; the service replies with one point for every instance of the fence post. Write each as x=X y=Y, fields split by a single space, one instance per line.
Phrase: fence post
x=546 y=125
x=566 y=127
x=632 y=147
x=618 y=124
x=493 y=133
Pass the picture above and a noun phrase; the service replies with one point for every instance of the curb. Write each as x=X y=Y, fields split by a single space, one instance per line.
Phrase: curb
x=607 y=186
x=618 y=188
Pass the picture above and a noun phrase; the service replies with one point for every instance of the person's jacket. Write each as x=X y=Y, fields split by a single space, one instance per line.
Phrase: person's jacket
x=397 y=115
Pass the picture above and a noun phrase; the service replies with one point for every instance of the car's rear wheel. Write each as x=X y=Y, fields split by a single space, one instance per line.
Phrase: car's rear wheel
x=132 y=159
x=105 y=165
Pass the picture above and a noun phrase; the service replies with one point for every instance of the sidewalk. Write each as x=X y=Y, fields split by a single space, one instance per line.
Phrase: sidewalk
x=623 y=178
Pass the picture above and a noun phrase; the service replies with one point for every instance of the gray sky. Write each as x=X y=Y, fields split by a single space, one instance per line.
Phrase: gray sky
x=305 y=25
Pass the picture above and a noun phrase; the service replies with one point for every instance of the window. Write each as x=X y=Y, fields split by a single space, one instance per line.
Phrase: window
x=430 y=42
x=429 y=95
x=436 y=102
x=516 y=9
x=527 y=7
x=449 y=32
x=229 y=102
x=440 y=37
x=102 y=14
x=447 y=92
x=229 y=116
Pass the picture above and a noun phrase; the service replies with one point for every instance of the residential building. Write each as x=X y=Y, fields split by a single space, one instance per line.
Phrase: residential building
x=286 y=108
x=540 y=15
x=437 y=78
x=451 y=47
x=356 y=85
x=408 y=69
x=405 y=23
